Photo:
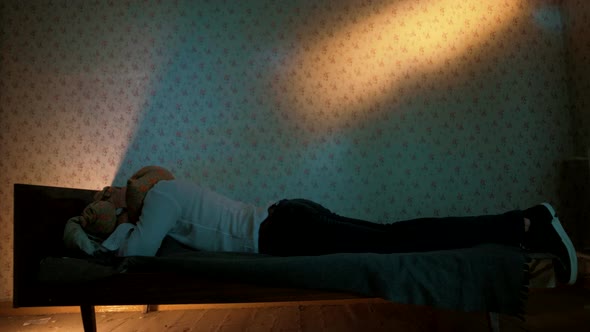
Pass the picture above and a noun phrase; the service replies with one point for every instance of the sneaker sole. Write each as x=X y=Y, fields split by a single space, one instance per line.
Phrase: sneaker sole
x=565 y=239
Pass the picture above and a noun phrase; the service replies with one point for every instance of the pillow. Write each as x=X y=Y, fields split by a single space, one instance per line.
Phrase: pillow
x=138 y=186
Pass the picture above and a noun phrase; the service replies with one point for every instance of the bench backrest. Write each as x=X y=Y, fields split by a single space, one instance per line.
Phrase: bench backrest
x=40 y=214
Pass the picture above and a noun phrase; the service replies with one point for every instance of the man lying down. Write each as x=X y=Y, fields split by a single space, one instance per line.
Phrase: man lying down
x=134 y=220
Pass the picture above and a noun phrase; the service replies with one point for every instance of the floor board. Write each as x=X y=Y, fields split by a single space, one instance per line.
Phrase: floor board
x=548 y=310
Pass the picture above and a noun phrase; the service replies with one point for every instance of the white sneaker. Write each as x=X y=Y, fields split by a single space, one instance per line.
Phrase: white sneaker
x=546 y=234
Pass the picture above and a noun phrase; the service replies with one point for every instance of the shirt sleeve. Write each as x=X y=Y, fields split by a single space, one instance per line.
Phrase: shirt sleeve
x=159 y=214
x=118 y=237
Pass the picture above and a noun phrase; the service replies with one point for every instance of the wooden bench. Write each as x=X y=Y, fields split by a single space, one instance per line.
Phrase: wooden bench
x=40 y=213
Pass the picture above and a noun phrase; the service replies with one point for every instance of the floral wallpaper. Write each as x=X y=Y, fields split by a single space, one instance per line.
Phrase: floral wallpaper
x=383 y=110
x=577 y=32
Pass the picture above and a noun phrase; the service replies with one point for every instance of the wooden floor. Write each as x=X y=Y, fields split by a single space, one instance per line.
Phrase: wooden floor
x=548 y=310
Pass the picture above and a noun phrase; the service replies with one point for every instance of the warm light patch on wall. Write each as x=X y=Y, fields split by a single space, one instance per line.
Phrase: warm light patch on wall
x=372 y=56
x=87 y=154
x=75 y=99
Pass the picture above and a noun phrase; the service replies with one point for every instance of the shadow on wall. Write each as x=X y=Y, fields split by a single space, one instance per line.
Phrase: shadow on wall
x=257 y=96
x=577 y=40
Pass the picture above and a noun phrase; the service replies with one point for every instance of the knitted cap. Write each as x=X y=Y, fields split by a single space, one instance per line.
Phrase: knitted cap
x=99 y=218
x=138 y=186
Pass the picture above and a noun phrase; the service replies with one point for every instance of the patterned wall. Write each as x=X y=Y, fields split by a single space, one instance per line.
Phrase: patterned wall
x=382 y=110
x=577 y=32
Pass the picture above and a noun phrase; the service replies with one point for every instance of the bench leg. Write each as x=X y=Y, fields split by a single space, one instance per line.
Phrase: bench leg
x=494 y=321
x=88 y=318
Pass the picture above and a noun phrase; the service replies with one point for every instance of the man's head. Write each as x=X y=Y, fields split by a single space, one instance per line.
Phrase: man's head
x=114 y=195
x=99 y=218
x=128 y=201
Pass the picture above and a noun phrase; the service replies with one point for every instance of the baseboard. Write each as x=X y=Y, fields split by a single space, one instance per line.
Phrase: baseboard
x=167 y=307
x=6 y=308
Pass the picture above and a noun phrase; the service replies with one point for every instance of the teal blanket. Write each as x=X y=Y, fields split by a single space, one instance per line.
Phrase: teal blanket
x=484 y=278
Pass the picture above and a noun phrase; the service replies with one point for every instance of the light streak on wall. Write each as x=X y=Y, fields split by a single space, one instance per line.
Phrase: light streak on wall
x=372 y=56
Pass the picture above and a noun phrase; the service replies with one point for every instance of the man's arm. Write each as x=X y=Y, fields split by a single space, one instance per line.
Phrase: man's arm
x=159 y=215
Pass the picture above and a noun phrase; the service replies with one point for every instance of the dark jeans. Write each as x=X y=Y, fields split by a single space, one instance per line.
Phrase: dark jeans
x=301 y=227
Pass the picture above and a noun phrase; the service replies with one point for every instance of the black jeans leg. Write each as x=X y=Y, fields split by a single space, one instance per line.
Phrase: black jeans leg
x=302 y=227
